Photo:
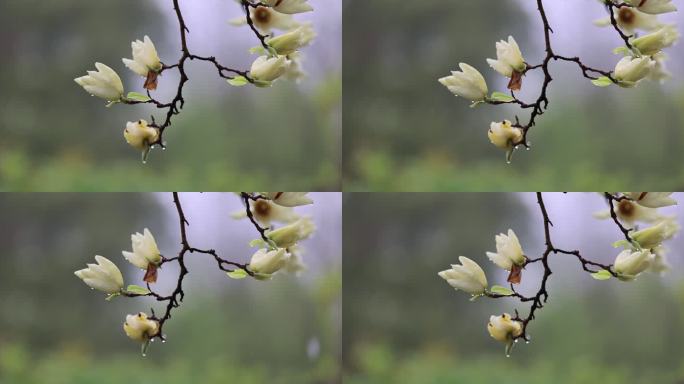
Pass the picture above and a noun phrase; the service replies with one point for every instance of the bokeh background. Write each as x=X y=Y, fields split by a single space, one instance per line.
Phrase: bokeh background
x=55 y=137
x=55 y=330
x=405 y=131
x=404 y=324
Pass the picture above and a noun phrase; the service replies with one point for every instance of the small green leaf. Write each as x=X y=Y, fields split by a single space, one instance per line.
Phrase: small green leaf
x=602 y=275
x=111 y=296
x=257 y=50
x=135 y=96
x=602 y=81
x=502 y=97
x=257 y=243
x=237 y=274
x=621 y=50
x=138 y=290
x=238 y=81
x=499 y=290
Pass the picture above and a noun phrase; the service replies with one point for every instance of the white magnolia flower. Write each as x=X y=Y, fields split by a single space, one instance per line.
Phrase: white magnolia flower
x=145 y=250
x=265 y=262
x=290 y=42
x=139 y=328
x=508 y=251
x=654 y=42
x=103 y=83
x=653 y=236
x=265 y=212
x=503 y=328
x=103 y=276
x=505 y=136
x=629 y=212
x=140 y=136
x=631 y=19
x=469 y=84
x=628 y=264
x=145 y=58
x=630 y=70
x=468 y=277
x=266 y=19
x=268 y=69
x=292 y=233
x=659 y=72
x=509 y=58
x=652 y=199
x=289 y=6
x=659 y=264
x=289 y=199
x=653 y=6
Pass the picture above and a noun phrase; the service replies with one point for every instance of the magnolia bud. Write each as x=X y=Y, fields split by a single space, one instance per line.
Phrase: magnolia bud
x=653 y=6
x=503 y=328
x=140 y=136
x=630 y=70
x=104 y=83
x=654 y=42
x=468 y=277
x=289 y=42
x=651 y=237
x=508 y=251
x=265 y=262
x=509 y=58
x=268 y=69
x=628 y=264
x=140 y=328
x=290 y=234
x=289 y=6
x=145 y=58
x=652 y=199
x=104 y=276
x=469 y=84
x=145 y=250
x=289 y=199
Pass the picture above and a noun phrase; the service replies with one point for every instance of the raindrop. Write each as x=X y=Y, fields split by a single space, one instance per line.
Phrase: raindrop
x=163 y=341
x=163 y=148
x=527 y=342
x=144 y=354
x=507 y=355
x=528 y=148
x=516 y=340
x=144 y=161
x=508 y=161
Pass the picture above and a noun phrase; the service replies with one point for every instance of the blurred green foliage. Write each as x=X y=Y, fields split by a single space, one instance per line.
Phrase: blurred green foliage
x=53 y=330
x=403 y=324
x=406 y=132
x=57 y=138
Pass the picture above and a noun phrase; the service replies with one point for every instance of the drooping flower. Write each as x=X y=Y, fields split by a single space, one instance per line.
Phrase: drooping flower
x=140 y=136
x=145 y=61
x=630 y=19
x=139 y=327
x=468 y=277
x=268 y=69
x=629 y=263
x=469 y=83
x=505 y=136
x=289 y=199
x=104 y=276
x=652 y=199
x=266 y=211
x=629 y=212
x=266 y=19
x=630 y=70
x=508 y=251
x=653 y=6
x=289 y=6
x=503 y=328
x=293 y=40
x=265 y=262
x=654 y=42
x=104 y=83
